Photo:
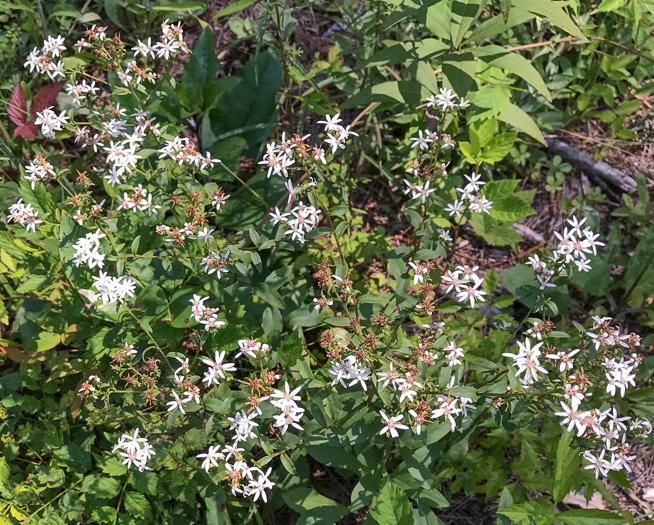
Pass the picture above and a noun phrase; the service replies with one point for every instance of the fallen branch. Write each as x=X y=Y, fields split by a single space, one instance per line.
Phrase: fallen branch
x=592 y=168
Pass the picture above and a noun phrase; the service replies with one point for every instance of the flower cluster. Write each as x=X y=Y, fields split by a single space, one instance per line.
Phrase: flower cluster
x=216 y=369
x=87 y=250
x=304 y=219
x=203 y=314
x=295 y=152
x=137 y=201
x=80 y=90
x=238 y=471
x=183 y=151
x=447 y=100
x=605 y=428
x=252 y=348
x=136 y=451
x=112 y=289
x=470 y=198
x=466 y=284
x=574 y=246
x=170 y=43
x=87 y=388
x=24 y=214
x=350 y=369
x=50 y=121
x=39 y=169
x=43 y=60
x=291 y=413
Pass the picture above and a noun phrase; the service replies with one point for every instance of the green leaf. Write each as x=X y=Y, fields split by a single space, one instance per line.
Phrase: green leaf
x=504 y=301
x=499 y=147
x=515 y=64
x=291 y=348
x=609 y=5
x=505 y=6
x=481 y=133
x=506 y=500
x=313 y=507
x=498 y=25
x=494 y=231
x=464 y=13
x=180 y=6
x=237 y=6
x=438 y=18
x=138 y=506
x=640 y=264
x=516 y=117
x=553 y=13
x=202 y=67
x=391 y=506
x=590 y=517
x=288 y=464
x=333 y=456
x=490 y=281
x=511 y=208
x=101 y=486
x=498 y=189
x=270 y=295
x=567 y=466
x=459 y=72
x=250 y=107
x=39 y=197
x=4 y=472
x=491 y=98
x=524 y=513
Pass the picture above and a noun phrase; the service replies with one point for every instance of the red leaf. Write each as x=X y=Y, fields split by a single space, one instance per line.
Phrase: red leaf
x=17 y=110
x=46 y=97
x=27 y=131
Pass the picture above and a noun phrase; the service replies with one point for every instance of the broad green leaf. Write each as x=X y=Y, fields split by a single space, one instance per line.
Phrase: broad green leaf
x=609 y=5
x=498 y=189
x=524 y=513
x=490 y=283
x=270 y=295
x=250 y=107
x=481 y=133
x=101 y=486
x=510 y=208
x=553 y=13
x=203 y=65
x=217 y=512
x=497 y=24
x=438 y=18
x=464 y=13
x=516 y=117
x=567 y=466
x=590 y=517
x=404 y=92
x=506 y=500
x=180 y=6
x=314 y=508
x=391 y=506
x=235 y=7
x=494 y=231
x=640 y=264
x=498 y=147
x=515 y=64
x=333 y=456
x=291 y=348
x=459 y=72
x=138 y=506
